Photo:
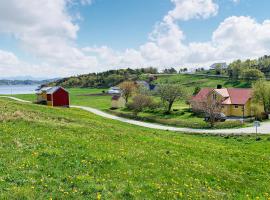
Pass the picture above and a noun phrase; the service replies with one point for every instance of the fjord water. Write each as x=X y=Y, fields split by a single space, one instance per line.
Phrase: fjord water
x=17 y=89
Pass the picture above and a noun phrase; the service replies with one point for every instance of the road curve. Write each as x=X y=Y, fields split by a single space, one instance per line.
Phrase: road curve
x=263 y=129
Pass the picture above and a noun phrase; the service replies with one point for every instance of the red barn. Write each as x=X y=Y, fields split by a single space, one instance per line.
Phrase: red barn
x=53 y=96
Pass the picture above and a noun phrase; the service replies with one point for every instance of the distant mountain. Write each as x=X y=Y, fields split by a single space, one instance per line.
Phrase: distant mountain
x=25 y=81
x=23 y=78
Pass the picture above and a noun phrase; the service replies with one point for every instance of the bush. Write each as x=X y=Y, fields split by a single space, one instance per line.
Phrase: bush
x=140 y=102
x=179 y=122
x=229 y=124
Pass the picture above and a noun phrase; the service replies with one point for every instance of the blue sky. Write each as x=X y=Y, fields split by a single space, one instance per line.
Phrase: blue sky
x=62 y=37
x=125 y=24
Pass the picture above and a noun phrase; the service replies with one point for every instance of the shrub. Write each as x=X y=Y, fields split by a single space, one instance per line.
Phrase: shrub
x=140 y=102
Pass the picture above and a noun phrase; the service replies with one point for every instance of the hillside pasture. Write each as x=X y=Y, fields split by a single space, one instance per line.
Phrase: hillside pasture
x=62 y=153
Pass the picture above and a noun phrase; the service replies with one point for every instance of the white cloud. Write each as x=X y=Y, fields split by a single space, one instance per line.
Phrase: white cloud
x=47 y=30
x=189 y=9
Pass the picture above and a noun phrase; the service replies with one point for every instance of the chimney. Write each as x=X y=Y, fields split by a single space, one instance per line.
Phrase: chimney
x=219 y=86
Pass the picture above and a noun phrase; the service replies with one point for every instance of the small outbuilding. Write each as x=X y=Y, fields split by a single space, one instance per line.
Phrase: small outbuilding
x=53 y=96
x=118 y=102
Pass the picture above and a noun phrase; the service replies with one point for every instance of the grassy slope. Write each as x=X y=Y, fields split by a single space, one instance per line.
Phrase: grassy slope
x=77 y=98
x=66 y=153
x=192 y=81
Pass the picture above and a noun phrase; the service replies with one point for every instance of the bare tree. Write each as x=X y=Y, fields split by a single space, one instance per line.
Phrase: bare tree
x=127 y=88
x=211 y=109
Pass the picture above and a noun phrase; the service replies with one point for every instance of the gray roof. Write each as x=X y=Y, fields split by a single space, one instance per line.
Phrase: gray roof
x=49 y=90
x=223 y=65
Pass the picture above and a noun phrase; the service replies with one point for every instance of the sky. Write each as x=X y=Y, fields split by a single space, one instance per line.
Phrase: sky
x=59 y=38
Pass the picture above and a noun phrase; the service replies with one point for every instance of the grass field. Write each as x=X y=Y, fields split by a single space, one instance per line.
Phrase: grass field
x=71 y=154
x=191 y=81
x=182 y=117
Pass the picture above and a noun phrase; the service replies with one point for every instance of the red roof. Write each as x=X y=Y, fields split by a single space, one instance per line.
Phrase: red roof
x=239 y=96
x=202 y=95
x=236 y=96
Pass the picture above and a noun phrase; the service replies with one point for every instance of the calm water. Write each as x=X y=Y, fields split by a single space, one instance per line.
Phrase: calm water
x=17 y=89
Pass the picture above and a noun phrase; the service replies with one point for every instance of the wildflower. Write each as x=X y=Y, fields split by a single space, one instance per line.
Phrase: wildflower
x=98 y=196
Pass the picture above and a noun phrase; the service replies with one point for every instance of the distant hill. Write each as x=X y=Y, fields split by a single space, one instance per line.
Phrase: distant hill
x=25 y=82
x=104 y=79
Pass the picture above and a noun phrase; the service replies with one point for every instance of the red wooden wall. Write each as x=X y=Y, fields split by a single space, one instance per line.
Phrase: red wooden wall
x=60 y=98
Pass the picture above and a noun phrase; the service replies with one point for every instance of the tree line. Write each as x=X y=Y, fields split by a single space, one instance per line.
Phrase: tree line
x=105 y=79
x=248 y=70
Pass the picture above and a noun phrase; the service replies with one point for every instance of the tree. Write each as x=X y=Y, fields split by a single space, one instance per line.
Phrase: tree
x=196 y=90
x=211 y=109
x=234 y=69
x=252 y=74
x=140 y=102
x=127 y=88
x=170 y=71
x=218 y=69
x=261 y=94
x=169 y=93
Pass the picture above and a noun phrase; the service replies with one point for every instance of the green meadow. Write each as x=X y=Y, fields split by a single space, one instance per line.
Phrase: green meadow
x=71 y=154
x=181 y=115
x=191 y=81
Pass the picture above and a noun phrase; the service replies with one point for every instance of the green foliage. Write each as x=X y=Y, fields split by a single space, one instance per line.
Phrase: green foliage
x=248 y=69
x=169 y=93
x=104 y=79
x=141 y=102
x=218 y=69
x=196 y=90
x=234 y=69
x=170 y=71
x=261 y=94
x=252 y=74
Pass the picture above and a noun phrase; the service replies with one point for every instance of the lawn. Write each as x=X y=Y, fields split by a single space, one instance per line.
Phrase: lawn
x=71 y=154
x=182 y=116
x=80 y=96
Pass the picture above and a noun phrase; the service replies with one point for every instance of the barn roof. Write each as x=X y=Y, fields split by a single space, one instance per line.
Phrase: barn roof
x=50 y=90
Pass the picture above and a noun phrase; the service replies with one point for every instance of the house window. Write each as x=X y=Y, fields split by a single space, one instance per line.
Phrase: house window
x=236 y=106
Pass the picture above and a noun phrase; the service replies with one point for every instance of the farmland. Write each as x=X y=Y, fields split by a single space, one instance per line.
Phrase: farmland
x=181 y=115
x=68 y=153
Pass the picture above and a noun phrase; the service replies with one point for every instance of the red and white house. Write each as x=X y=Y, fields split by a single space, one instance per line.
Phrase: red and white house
x=53 y=96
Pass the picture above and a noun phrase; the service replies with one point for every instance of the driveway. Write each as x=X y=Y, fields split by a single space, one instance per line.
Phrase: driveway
x=264 y=129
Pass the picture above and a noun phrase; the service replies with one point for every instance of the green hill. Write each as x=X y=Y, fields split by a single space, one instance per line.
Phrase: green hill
x=71 y=154
x=192 y=80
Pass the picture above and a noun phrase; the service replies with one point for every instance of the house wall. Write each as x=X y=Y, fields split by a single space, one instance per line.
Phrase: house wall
x=60 y=98
x=231 y=110
x=120 y=103
x=41 y=97
x=226 y=110
x=236 y=110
